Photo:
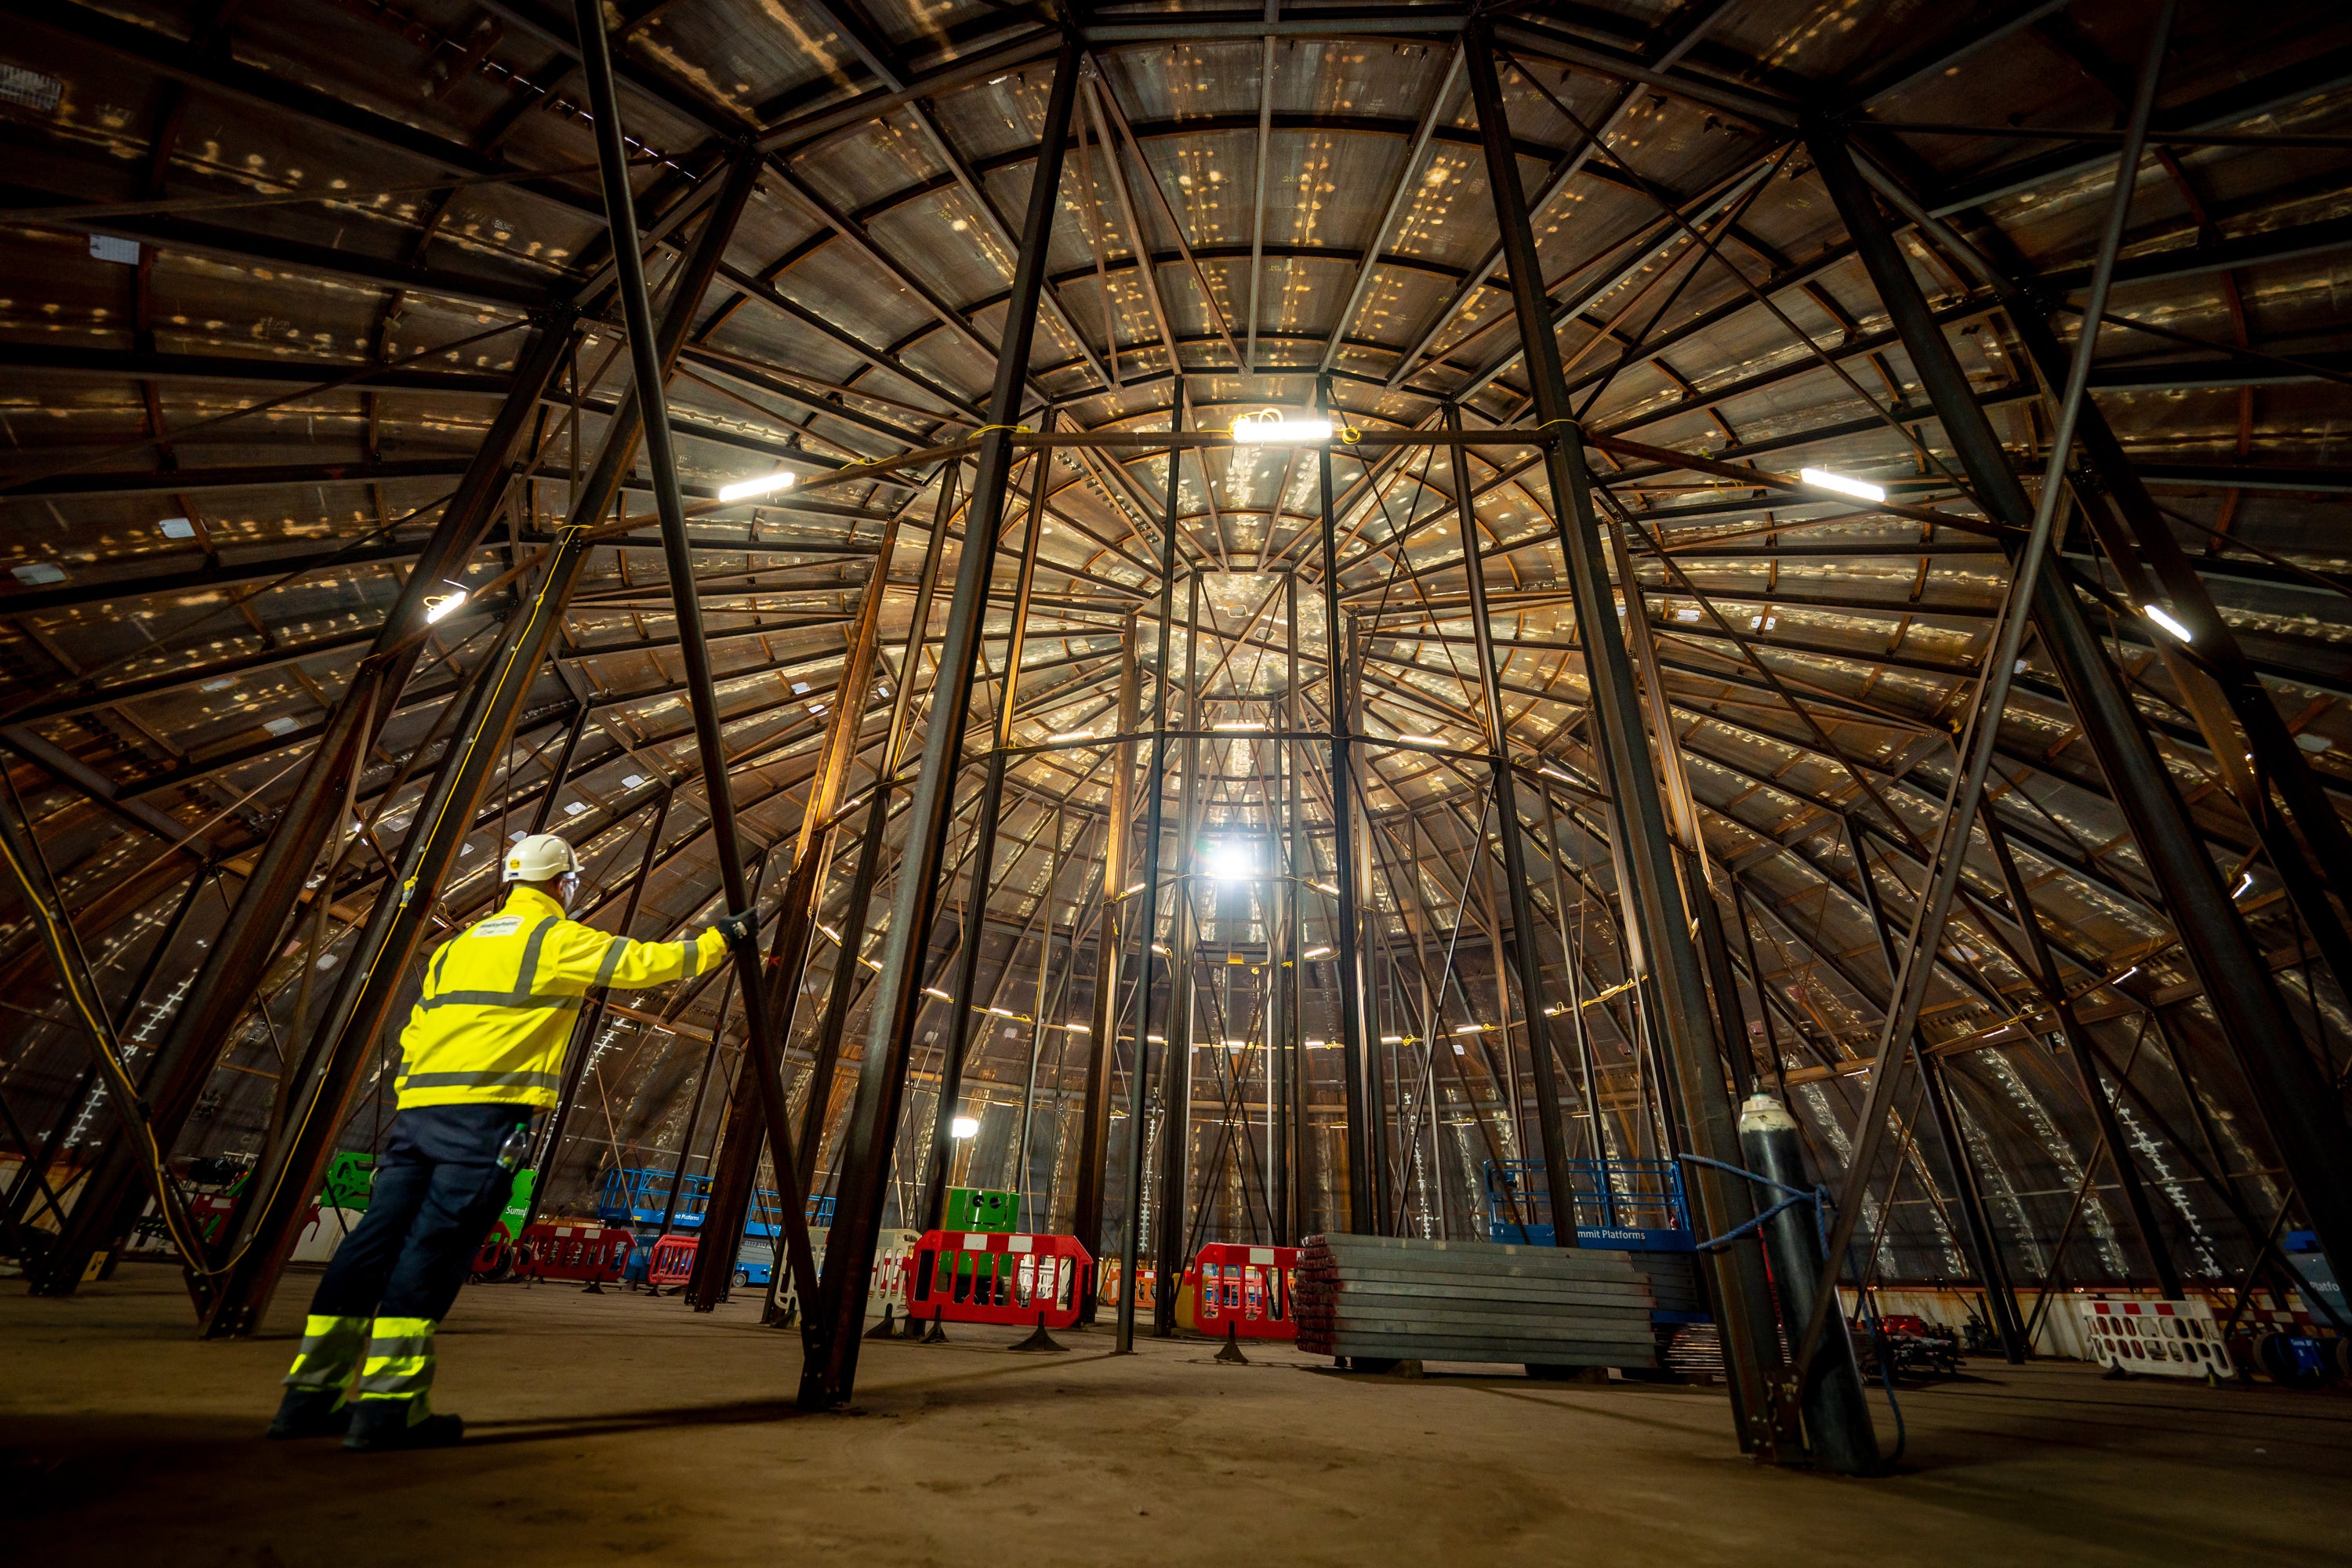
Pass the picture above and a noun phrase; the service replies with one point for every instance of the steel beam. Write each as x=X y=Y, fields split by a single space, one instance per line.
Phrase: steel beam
x=1111 y=948
x=1657 y=922
x=829 y=1373
x=2305 y=1116
x=1552 y=1134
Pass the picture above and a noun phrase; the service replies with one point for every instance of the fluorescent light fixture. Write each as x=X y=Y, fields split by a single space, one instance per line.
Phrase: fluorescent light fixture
x=935 y=991
x=1079 y=1029
x=871 y=964
x=830 y=932
x=1469 y=1029
x=1238 y=725
x=964 y=1126
x=2163 y=618
x=1072 y=735
x=1236 y=1045
x=1555 y=773
x=1823 y=479
x=1000 y=1011
x=748 y=489
x=1272 y=427
x=2244 y=883
x=1391 y=1039
x=1156 y=1039
x=1317 y=1045
x=1130 y=892
x=441 y=606
x=1315 y=952
x=1160 y=947
x=2126 y=974
x=1324 y=888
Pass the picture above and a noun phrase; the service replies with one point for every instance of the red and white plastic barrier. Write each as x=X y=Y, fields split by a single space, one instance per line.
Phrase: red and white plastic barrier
x=974 y=1276
x=2162 y=1339
x=1245 y=1290
x=577 y=1249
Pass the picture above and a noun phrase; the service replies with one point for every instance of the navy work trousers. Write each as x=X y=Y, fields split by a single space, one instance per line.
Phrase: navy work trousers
x=439 y=1189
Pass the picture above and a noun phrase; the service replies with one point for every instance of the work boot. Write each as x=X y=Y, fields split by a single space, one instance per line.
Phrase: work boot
x=379 y=1426
x=311 y=1413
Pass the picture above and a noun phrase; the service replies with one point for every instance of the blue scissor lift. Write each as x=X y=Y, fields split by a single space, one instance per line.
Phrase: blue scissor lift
x=634 y=1195
x=1634 y=1205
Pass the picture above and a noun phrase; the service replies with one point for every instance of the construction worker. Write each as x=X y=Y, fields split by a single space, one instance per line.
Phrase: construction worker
x=482 y=1058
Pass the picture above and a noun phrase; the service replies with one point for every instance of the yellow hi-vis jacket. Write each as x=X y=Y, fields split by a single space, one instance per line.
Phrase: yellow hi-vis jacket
x=500 y=997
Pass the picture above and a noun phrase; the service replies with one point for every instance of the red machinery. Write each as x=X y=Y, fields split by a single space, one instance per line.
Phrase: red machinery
x=1243 y=1289
x=573 y=1249
x=970 y=1276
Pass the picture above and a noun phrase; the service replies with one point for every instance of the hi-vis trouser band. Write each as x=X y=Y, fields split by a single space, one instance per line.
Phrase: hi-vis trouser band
x=330 y=1353
x=399 y=1363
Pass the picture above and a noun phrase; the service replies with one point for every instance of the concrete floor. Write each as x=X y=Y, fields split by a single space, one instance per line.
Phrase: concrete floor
x=618 y=1426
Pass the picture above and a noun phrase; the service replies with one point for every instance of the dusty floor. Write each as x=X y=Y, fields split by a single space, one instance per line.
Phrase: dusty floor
x=619 y=1426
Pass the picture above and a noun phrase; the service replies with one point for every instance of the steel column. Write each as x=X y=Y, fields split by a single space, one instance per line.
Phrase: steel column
x=825 y=1055
x=830 y=1372
x=1984 y=1246
x=693 y=641
x=1362 y=1145
x=1094 y=1122
x=1552 y=1135
x=945 y=1103
x=2086 y=1071
x=1662 y=943
x=2302 y=1110
x=247 y=942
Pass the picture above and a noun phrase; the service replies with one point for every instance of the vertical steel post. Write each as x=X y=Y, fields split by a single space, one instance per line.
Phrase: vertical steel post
x=1174 y=1192
x=829 y=1375
x=946 y=1103
x=563 y=769
x=1552 y=1136
x=246 y=944
x=1983 y=1244
x=2086 y=1070
x=1094 y=1120
x=1302 y=865
x=2032 y=590
x=1155 y=781
x=2303 y=1111
x=1661 y=942
x=693 y=641
x=825 y=1057
x=1362 y=1146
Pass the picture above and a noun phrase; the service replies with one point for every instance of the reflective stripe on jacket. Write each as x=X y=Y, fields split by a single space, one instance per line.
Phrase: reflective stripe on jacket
x=500 y=997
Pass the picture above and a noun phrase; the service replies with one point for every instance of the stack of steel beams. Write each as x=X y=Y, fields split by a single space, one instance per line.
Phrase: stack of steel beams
x=1377 y=1301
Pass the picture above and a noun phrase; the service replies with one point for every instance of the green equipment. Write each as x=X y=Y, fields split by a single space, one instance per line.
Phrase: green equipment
x=981 y=1210
x=351 y=1180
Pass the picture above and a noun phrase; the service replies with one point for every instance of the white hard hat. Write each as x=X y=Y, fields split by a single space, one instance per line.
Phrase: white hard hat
x=540 y=858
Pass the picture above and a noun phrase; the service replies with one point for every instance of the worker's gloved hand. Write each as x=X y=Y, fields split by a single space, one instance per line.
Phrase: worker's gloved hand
x=738 y=928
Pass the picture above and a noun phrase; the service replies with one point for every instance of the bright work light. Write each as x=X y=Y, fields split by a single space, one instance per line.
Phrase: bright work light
x=748 y=489
x=1271 y=427
x=1230 y=861
x=964 y=1126
x=1823 y=479
x=2164 y=618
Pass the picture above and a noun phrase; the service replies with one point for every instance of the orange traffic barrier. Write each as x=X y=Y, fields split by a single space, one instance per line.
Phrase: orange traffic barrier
x=972 y=1277
x=1111 y=1278
x=1246 y=1290
x=575 y=1250
x=671 y=1262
